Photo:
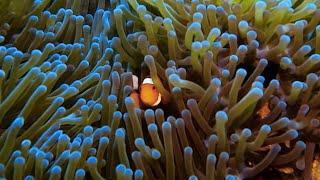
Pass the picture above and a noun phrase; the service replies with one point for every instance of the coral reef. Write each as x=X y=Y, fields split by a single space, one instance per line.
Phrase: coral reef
x=238 y=79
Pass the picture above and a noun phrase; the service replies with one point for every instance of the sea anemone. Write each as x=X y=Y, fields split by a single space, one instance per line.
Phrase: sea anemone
x=223 y=89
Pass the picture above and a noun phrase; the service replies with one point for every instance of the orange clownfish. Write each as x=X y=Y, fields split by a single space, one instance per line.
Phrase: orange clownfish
x=148 y=96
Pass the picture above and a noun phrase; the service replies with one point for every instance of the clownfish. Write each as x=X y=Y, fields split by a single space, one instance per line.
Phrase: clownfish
x=146 y=94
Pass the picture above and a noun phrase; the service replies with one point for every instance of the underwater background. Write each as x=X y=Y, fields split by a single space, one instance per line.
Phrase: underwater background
x=159 y=89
